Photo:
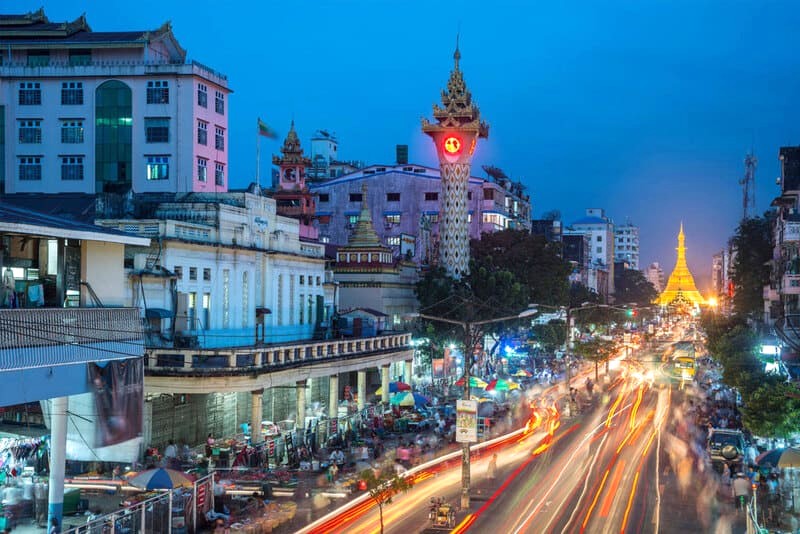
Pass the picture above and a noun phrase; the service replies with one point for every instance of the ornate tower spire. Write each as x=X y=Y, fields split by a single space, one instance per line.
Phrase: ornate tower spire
x=364 y=234
x=680 y=286
x=455 y=133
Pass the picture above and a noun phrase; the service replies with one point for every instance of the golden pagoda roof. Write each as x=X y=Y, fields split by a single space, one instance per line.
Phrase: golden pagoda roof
x=364 y=234
x=680 y=285
x=292 y=151
x=458 y=111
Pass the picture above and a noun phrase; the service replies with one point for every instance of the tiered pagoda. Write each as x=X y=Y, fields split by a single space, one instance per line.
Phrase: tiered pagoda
x=680 y=288
x=292 y=196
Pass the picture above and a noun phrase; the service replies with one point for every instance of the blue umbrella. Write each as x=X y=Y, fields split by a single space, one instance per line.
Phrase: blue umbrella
x=161 y=478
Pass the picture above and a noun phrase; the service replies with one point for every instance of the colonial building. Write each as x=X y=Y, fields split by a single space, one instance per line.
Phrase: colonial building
x=369 y=276
x=599 y=230
x=90 y=112
x=626 y=244
x=405 y=205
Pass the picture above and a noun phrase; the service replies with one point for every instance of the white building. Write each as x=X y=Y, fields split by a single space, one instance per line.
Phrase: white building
x=220 y=264
x=107 y=112
x=600 y=232
x=626 y=244
x=655 y=275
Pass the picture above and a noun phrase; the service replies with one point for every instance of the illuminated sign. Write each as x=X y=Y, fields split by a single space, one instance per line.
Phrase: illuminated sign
x=452 y=145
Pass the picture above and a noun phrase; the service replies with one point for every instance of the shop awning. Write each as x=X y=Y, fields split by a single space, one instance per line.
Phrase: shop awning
x=157 y=313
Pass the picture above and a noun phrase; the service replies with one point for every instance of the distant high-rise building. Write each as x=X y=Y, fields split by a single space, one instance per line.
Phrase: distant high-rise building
x=626 y=244
x=655 y=275
x=599 y=230
x=107 y=112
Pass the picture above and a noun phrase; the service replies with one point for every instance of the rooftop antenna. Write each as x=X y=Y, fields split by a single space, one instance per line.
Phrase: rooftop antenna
x=748 y=183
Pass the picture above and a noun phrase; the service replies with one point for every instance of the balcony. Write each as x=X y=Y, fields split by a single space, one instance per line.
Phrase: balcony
x=44 y=337
x=192 y=370
x=791 y=284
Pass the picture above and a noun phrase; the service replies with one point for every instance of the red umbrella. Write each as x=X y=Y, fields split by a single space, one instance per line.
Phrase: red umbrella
x=401 y=386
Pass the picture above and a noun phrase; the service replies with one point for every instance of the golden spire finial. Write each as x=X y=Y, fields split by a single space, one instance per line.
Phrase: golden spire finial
x=457 y=53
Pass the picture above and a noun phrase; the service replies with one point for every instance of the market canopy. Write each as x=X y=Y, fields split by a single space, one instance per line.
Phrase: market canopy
x=788 y=457
x=408 y=398
x=474 y=382
x=394 y=387
x=523 y=373
x=161 y=478
x=498 y=384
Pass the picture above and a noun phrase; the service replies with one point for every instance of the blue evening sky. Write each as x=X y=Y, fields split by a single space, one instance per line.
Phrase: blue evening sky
x=644 y=108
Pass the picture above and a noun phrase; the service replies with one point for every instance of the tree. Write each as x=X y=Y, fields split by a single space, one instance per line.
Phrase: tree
x=552 y=335
x=596 y=350
x=384 y=485
x=751 y=270
x=633 y=288
x=769 y=411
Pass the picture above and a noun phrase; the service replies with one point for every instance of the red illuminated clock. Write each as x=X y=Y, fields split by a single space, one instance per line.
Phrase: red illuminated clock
x=453 y=145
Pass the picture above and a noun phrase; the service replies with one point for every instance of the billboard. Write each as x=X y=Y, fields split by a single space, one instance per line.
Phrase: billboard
x=408 y=245
x=466 y=421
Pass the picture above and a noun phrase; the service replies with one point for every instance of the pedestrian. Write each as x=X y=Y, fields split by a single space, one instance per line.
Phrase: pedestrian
x=333 y=470
x=491 y=471
x=741 y=488
x=54 y=528
x=209 y=445
x=171 y=454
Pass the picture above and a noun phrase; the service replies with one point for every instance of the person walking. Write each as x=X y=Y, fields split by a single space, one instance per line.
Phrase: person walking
x=741 y=490
x=491 y=471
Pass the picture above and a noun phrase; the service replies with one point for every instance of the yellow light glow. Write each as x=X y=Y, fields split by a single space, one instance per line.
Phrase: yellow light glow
x=711 y=301
x=452 y=145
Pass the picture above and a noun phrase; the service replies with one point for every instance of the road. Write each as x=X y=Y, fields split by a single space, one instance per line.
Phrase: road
x=624 y=465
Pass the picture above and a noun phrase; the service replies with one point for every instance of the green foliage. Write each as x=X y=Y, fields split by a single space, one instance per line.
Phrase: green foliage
x=579 y=293
x=750 y=272
x=384 y=484
x=634 y=288
x=597 y=351
x=551 y=335
x=769 y=412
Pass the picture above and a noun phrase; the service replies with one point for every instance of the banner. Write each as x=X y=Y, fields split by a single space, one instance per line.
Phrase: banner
x=466 y=421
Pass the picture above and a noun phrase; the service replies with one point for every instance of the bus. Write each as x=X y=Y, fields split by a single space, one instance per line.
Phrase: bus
x=683 y=363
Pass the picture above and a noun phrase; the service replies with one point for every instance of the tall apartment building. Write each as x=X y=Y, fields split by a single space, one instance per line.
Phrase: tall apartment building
x=107 y=112
x=626 y=244
x=405 y=205
x=599 y=230
x=655 y=275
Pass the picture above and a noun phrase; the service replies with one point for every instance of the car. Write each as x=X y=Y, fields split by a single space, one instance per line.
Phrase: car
x=726 y=445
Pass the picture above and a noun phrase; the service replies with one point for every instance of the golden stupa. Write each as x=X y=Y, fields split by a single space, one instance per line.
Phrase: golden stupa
x=680 y=286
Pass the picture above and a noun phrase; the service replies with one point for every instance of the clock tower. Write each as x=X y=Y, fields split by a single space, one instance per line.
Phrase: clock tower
x=292 y=197
x=455 y=134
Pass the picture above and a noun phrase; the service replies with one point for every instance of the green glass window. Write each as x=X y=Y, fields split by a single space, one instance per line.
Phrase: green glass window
x=113 y=135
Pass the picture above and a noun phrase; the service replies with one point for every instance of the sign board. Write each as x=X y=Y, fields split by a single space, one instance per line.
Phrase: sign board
x=201 y=495
x=791 y=231
x=467 y=421
x=408 y=244
x=626 y=338
x=651 y=329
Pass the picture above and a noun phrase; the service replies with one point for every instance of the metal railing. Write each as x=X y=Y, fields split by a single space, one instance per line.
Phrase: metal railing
x=61 y=336
x=249 y=358
x=57 y=67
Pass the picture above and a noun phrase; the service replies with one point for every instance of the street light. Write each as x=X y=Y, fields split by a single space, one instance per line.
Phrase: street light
x=470 y=341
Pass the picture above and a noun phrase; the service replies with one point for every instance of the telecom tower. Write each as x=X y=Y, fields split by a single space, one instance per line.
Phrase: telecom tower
x=748 y=183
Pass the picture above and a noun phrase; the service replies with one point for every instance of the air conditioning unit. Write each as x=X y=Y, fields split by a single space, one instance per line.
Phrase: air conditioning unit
x=182 y=313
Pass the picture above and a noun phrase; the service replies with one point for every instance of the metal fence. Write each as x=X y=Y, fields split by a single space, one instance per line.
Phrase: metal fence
x=178 y=511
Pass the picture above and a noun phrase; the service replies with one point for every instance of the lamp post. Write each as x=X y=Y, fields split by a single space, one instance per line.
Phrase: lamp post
x=471 y=335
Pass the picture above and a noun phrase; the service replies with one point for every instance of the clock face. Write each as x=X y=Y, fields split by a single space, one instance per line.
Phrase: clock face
x=288 y=175
x=452 y=145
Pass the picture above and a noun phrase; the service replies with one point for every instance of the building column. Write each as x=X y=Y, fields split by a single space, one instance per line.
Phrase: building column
x=407 y=372
x=385 y=384
x=362 y=389
x=58 y=453
x=256 y=416
x=301 y=405
x=333 y=402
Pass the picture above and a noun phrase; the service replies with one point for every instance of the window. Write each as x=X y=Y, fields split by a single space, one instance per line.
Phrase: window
x=302 y=279
x=392 y=197
x=202 y=133
x=469 y=218
x=219 y=139
x=324 y=197
x=38 y=58
x=219 y=103
x=30 y=168
x=158 y=92
x=192 y=273
x=178 y=270
x=393 y=241
x=202 y=95
x=219 y=174
x=156 y=130
x=71 y=93
x=245 y=300
x=599 y=250
x=599 y=239
x=30 y=132
x=79 y=57
x=202 y=168
x=433 y=218
x=432 y=196
x=318 y=281
x=488 y=194
x=469 y=195
x=72 y=131
x=392 y=219
x=72 y=168
x=30 y=94
x=352 y=219
x=207 y=274
x=158 y=167
x=206 y=317
x=356 y=197
x=302 y=307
